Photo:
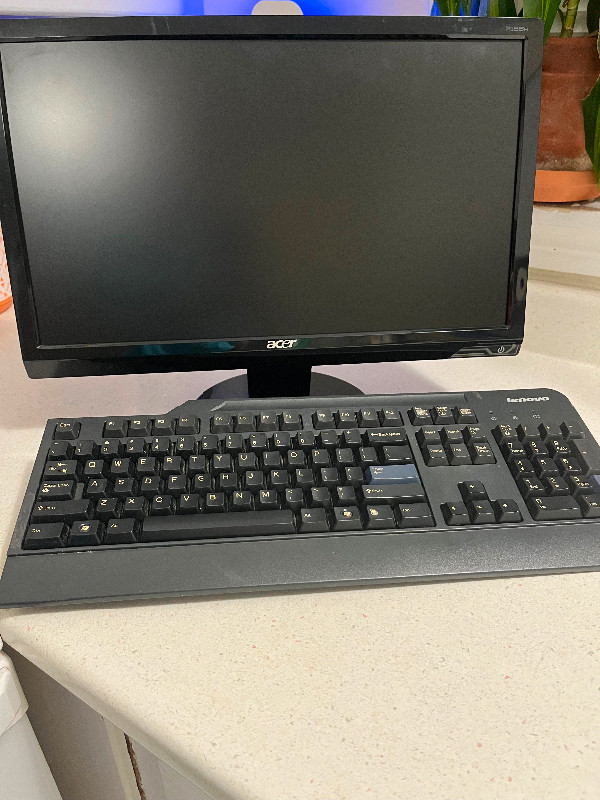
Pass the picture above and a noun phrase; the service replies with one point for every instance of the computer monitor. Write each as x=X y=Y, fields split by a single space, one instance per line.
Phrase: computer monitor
x=268 y=193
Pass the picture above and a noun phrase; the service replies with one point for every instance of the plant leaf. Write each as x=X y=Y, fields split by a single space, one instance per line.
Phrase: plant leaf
x=591 y=124
x=545 y=9
x=593 y=15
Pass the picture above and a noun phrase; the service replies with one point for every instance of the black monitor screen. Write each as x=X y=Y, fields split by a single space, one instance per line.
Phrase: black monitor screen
x=184 y=190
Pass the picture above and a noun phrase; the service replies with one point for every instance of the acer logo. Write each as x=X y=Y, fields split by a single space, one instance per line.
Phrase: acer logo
x=526 y=399
x=280 y=344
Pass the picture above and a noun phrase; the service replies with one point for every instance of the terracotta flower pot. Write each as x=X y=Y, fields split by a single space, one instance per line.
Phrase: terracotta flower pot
x=570 y=70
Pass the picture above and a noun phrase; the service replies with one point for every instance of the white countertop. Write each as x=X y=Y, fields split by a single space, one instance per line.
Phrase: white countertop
x=449 y=691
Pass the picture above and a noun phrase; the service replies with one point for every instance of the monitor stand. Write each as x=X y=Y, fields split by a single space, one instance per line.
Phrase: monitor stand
x=280 y=377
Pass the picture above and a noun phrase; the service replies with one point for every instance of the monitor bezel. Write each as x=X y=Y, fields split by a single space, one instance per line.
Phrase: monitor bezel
x=50 y=361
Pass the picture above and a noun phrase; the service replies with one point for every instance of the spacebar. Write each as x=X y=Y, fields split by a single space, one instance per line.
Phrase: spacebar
x=210 y=526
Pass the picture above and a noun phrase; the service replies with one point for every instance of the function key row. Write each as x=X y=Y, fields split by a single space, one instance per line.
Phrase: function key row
x=233 y=443
x=321 y=419
x=442 y=415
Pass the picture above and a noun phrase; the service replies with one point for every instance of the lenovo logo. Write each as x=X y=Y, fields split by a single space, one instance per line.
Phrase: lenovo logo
x=526 y=399
x=280 y=344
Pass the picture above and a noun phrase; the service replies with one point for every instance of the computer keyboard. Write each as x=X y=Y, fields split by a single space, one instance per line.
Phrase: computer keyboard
x=299 y=493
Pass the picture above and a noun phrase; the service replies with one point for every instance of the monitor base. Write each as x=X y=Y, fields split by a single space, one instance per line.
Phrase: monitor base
x=320 y=386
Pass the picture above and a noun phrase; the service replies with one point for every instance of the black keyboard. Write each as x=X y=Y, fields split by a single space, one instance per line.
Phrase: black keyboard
x=271 y=494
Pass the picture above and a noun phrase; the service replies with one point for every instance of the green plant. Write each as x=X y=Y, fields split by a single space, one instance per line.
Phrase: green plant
x=548 y=11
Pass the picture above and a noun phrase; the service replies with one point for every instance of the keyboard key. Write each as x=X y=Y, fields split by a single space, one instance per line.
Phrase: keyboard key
x=176 y=485
x=121 y=468
x=233 y=443
x=390 y=418
x=552 y=508
x=465 y=415
x=558 y=448
x=347 y=518
x=198 y=464
x=419 y=416
x=504 y=433
x=351 y=438
x=151 y=485
x=329 y=439
x=254 y=480
x=532 y=487
x=245 y=462
x=221 y=462
x=417 y=515
x=323 y=419
x=458 y=454
x=329 y=476
x=394 y=494
x=588 y=455
x=481 y=453
x=110 y=448
x=392 y=475
x=160 y=446
x=455 y=514
x=472 y=490
x=556 y=486
x=481 y=512
x=57 y=490
x=344 y=457
x=367 y=456
x=281 y=441
x=205 y=526
x=319 y=497
x=435 y=456
x=473 y=434
x=304 y=478
x=544 y=467
x=97 y=488
x=124 y=487
x=568 y=466
x=227 y=482
x=512 y=448
x=429 y=436
x=278 y=479
x=185 y=446
x=526 y=431
x=187 y=425
x=109 y=507
x=590 y=506
x=267 y=421
x=163 y=426
x=313 y=520
x=85 y=450
x=506 y=511
x=572 y=431
x=394 y=454
x=294 y=499
x=209 y=445
x=549 y=431
x=86 y=534
x=62 y=469
x=345 y=419
x=140 y=426
x=42 y=537
x=535 y=447
x=115 y=427
x=291 y=421
x=579 y=485
x=442 y=415
x=133 y=508
x=161 y=504
x=146 y=466
x=267 y=499
x=344 y=496
x=222 y=423
x=172 y=465
x=354 y=476
x=521 y=467
x=380 y=517
x=136 y=447
x=121 y=531
x=388 y=436
x=59 y=510
x=215 y=502
x=306 y=440
x=244 y=422
x=320 y=458
x=68 y=429
x=451 y=436
x=368 y=418
x=241 y=501
x=60 y=451
x=272 y=460
x=95 y=469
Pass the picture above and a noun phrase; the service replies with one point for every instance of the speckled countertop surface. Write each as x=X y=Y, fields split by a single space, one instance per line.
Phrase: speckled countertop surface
x=447 y=691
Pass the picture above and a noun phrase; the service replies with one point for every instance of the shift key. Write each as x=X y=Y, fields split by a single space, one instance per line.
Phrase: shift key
x=62 y=510
x=393 y=494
